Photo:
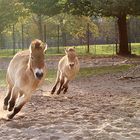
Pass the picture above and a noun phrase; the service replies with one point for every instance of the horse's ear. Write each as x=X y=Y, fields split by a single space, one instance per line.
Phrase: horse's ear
x=32 y=46
x=46 y=47
x=66 y=50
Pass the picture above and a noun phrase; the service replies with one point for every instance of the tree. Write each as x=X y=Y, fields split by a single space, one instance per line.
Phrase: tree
x=106 y=29
x=134 y=34
x=119 y=9
x=41 y=8
x=71 y=26
x=10 y=11
x=44 y=7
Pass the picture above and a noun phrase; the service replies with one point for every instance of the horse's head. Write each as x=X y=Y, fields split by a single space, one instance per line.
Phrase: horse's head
x=71 y=54
x=37 y=55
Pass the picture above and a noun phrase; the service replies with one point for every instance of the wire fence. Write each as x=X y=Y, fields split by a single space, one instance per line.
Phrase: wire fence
x=59 y=39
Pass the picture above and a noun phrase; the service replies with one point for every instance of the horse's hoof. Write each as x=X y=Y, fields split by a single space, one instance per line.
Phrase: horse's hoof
x=58 y=92
x=10 y=116
x=4 y=107
x=10 y=108
x=52 y=92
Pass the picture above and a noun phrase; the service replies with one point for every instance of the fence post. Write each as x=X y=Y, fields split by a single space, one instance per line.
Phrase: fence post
x=22 y=36
x=88 y=38
x=58 y=39
x=129 y=37
x=116 y=37
x=45 y=33
x=13 y=39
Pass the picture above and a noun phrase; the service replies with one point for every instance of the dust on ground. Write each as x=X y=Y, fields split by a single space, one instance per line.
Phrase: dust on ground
x=95 y=108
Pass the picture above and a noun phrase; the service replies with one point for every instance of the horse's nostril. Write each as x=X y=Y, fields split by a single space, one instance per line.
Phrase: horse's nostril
x=71 y=65
x=39 y=75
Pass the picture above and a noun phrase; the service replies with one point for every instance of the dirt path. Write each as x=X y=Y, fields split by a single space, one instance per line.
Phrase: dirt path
x=52 y=62
x=95 y=108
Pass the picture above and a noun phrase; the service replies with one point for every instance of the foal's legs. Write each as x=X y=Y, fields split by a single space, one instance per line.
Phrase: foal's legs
x=7 y=97
x=56 y=83
x=61 y=84
x=54 y=87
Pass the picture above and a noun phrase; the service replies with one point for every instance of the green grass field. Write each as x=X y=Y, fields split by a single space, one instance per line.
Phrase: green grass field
x=84 y=72
x=95 y=50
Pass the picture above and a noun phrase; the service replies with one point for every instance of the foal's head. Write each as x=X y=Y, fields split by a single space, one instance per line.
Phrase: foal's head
x=71 y=54
x=37 y=55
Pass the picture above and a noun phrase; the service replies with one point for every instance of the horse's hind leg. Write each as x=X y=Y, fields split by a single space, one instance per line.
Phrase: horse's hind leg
x=7 y=97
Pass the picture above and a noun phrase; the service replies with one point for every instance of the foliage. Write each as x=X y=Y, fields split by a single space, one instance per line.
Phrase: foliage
x=44 y=7
x=103 y=7
x=114 y=8
x=10 y=11
x=106 y=28
x=73 y=25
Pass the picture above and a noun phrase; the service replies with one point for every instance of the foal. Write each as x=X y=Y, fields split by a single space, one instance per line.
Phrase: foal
x=68 y=67
x=25 y=73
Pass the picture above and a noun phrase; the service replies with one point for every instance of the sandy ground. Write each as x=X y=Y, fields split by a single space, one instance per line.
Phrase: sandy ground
x=95 y=108
x=84 y=61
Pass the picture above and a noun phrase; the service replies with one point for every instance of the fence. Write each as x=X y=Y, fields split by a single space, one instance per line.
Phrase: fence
x=19 y=37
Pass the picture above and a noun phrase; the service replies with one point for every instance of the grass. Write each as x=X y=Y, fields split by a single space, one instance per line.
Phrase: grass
x=51 y=75
x=8 y=53
x=96 y=50
x=84 y=72
x=87 y=72
x=2 y=78
x=136 y=48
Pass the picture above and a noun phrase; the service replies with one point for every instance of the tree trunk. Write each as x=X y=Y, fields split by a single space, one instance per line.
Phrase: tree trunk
x=40 y=29
x=123 y=37
x=38 y=21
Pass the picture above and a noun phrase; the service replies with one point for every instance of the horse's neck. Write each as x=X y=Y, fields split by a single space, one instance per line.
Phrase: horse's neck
x=30 y=72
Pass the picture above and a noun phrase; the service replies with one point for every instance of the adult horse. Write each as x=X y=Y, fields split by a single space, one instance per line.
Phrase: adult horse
x=25 y=73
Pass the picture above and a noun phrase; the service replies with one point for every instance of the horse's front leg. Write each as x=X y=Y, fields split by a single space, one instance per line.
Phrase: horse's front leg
x=20 y=103
x=65 y=87
x=54 y=87
x=61 y=85
x=7 y=97
x=56 y=82
x=14 y=95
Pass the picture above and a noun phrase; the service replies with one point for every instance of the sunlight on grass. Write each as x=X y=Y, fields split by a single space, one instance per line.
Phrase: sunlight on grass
x=87 y=72
x=96 y=50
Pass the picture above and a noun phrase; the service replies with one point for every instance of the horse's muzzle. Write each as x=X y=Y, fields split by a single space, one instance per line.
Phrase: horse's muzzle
x=39 y=75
